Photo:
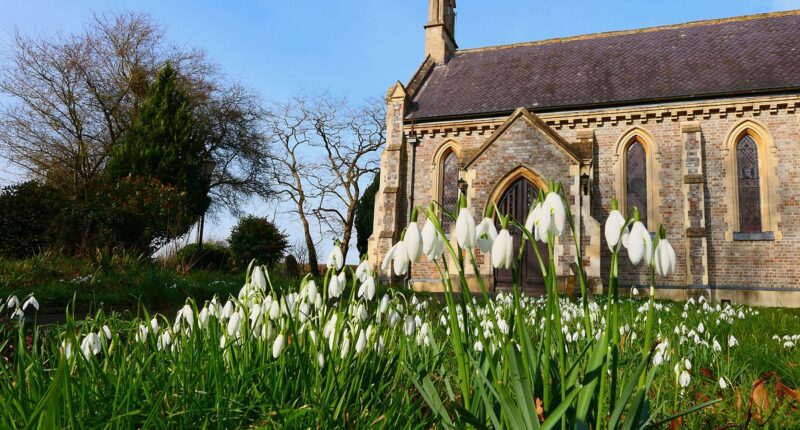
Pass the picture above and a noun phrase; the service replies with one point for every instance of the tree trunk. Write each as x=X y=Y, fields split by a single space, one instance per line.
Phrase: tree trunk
x=312 y=252
x=347 y=232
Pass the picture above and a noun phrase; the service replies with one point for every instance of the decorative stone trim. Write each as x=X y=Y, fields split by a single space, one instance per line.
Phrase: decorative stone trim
x=631 y=115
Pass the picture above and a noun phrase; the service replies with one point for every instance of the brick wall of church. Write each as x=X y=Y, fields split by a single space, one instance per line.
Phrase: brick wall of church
x=687 y=139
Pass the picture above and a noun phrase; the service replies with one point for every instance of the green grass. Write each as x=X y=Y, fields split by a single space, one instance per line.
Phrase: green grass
x=117 y=282
x=201 y=384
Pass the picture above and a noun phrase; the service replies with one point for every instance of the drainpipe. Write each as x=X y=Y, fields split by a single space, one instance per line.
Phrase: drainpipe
x=414 y=142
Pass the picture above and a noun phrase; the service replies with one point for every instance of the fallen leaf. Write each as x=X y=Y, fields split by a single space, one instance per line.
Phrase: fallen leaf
x=759 y=398
x=676 y=423
x=539 y=410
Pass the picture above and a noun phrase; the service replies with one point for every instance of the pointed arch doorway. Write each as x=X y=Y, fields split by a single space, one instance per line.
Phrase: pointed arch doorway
x=516 y=200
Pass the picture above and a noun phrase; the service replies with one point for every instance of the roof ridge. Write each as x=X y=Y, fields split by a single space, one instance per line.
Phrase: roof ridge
x=613 y=33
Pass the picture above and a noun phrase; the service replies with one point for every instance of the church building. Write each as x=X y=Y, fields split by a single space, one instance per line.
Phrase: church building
x=696 y=124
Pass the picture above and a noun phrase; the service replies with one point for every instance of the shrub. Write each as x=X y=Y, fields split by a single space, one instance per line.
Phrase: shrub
x=291 y=268
x=256 y=238
x=213 y=256
x=160 y=212
x=27 y=214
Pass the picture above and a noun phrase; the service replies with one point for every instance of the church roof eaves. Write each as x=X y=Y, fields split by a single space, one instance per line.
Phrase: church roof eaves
x=719 y=58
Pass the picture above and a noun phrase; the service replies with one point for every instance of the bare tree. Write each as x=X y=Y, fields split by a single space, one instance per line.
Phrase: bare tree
x=74 y=97
x=288 y=127
x=300 y=252
x=232 y=124
x=350 y=137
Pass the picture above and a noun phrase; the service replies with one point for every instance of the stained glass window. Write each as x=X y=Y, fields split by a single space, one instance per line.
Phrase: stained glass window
x=449 y=191
x=748 y=185
x=636 y=179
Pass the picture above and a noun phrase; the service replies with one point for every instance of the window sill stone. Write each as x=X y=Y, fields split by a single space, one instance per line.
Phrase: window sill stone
x=754 y=237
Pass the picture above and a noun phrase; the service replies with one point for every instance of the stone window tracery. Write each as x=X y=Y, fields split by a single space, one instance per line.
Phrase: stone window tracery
x=636 y=179
x=448 y=196
x=748 y=185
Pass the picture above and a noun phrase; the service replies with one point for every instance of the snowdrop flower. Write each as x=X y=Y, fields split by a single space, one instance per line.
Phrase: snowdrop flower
x=715 y=346
x=363 y=271
x=532 y=222
x=478 y=346
x=107 y=332
x=320 y=359
x=503 y=250
x=91 y=345
x=361 y=343
x=465 y=229
x=486 y=234
x=386 y=265
x=259 y=280
x=658 y=358
x=13 y=301
x=410 y=325
x=400 y=259
x=701 y=328
x=345 y=347
x=432 y=242
x=66 y=348
x=684 y=379
x=141 y=334
x=227 y=310
x=234 y=324
x=164 y=340
x=367 y=289
x=203 y=318
x=277 y=346
x=614 y=226
x=635 y=292
x=310 y=290
x=31 y=301
x=154 y=324
x=335 y=258
x=275 y=309
x=722 y=384
x=413 y=242
x=553 y=216
x=335 y=289
x=665 y=260
x=639 y=244
x=732 y=341
x=384 y=304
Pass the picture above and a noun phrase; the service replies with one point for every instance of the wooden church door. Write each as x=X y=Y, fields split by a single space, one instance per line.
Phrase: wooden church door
x=516 y=201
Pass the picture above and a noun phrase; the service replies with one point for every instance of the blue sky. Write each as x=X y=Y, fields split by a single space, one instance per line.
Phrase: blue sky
x=348 y=47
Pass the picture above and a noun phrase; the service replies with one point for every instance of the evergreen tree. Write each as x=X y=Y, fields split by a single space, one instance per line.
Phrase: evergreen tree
x=161 y=144
x=365 y=213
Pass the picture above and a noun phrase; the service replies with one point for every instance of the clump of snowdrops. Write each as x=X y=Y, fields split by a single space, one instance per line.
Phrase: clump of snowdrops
x=523 y=372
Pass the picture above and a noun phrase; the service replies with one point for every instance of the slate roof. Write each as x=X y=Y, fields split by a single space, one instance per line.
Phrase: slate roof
x=753 y=54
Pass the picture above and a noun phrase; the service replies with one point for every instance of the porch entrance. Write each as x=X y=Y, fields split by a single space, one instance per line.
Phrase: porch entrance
x=516 y=200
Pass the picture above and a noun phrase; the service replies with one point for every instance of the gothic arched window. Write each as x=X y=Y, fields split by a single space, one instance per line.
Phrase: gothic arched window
x=636 y=179
x=448 y=193
x=748 y=185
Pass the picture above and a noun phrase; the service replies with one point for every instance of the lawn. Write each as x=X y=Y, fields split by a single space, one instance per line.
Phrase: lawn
x=117 y=281
x=309 y=359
